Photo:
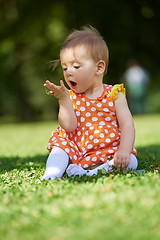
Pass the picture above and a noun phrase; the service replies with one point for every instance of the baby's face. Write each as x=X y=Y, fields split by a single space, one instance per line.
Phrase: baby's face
x=79 y=68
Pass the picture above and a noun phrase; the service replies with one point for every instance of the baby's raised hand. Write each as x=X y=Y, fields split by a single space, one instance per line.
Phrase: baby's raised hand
x=121 y=159
x=60 y=92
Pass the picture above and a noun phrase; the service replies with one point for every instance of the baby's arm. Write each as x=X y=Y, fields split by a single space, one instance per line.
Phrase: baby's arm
x=122 y=156
x=66 y=117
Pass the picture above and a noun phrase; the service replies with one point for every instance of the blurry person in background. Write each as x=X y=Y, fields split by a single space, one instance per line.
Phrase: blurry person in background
x=136 y=80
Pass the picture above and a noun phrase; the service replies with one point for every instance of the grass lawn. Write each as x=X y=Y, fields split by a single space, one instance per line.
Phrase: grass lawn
x=108 y=206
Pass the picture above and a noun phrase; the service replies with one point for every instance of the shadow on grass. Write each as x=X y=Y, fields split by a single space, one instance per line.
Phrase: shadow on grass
x=147 y=157
x=11 y=163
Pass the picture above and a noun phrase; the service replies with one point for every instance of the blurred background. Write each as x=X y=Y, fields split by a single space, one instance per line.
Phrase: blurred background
x=31 y=33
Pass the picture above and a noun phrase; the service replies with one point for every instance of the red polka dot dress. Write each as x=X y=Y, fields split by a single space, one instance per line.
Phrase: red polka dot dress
x=97 y=136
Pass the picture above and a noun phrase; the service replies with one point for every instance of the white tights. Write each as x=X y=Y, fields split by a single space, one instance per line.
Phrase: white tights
x=58 y=161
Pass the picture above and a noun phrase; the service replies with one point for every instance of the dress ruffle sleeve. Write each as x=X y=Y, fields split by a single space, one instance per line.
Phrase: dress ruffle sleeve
x=116 y=89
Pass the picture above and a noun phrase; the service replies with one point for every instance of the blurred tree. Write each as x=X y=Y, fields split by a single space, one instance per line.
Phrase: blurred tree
x=30 y=37
x=31 y=33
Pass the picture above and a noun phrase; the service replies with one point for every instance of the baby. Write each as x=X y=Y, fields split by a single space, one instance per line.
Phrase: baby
x=96 y=128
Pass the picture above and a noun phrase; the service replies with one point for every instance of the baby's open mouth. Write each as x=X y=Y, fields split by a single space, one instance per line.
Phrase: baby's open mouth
x=73 y=83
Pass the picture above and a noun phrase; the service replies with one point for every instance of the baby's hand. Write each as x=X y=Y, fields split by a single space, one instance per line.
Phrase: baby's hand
x=121 y=159
x=60 y=92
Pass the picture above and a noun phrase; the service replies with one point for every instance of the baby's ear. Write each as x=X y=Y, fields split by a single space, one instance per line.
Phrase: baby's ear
x=101 y=66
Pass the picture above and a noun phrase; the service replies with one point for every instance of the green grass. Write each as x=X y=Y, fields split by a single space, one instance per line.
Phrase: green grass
x=108 y=206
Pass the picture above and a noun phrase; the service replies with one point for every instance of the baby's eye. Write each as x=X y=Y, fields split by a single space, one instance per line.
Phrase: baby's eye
x=76 y=67
x=64 y=69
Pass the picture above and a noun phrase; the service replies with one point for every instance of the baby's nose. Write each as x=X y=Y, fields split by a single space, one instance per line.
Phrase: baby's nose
x=68 y=72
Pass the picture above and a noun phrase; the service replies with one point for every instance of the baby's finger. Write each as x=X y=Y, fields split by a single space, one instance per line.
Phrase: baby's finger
x=115 y=161
x=62 y=83
x=118 y=163
x=51 y=93
x=123 y=164
x=47 y=82
x=119 y=167
x=50 y=86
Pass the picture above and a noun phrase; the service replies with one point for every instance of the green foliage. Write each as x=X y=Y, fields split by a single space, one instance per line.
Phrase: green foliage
x=31 y=35
x=117 y=205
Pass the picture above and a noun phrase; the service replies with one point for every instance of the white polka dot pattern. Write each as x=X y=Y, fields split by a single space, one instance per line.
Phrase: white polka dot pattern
x=97 y=136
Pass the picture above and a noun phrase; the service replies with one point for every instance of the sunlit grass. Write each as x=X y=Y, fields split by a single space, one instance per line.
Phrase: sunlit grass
x=108 y=206
x=147 y=130
x=25 y=139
